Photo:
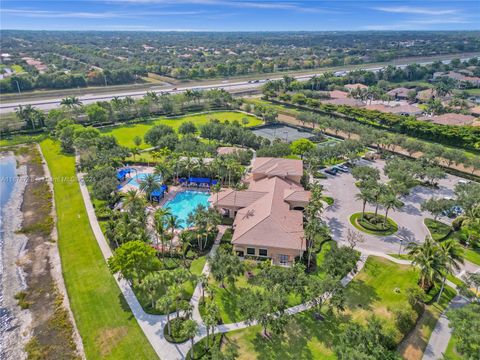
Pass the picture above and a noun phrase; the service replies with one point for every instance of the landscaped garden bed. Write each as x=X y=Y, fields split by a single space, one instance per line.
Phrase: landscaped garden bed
x=176 y=335
x=375 y=225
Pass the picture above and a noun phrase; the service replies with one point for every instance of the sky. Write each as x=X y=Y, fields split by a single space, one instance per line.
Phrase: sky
x=239 y=15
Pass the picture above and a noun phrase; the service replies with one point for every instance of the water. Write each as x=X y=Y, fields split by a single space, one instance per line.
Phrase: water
x=185 y=203
x=137 y=179
x=7 y=184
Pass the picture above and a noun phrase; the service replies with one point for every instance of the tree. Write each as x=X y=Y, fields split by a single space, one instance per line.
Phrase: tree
x=426 y=258
x=137 y=140
x=390 y=201
x=354 y=238
x=301 y=147
x=152 y=285
x=210 y=318
x=225 y=266
x=465 y=322
x=339 y=261
x=189 y=330
x=133 y=260
x=165 y=304
x=265 y=307
x=313 y=228
x=172 y=223
x=96 y=113
x=366 y=195
x=436 y=206
x=365 y=173
x=149 y=184
x=187 y=127
x=365 y=342
x=135 y=151
x=30 y=115
x=451 y=256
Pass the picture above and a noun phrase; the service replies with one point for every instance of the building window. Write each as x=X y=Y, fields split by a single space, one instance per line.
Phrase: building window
x=250 y=251
x=283 y=259
x=262 y=252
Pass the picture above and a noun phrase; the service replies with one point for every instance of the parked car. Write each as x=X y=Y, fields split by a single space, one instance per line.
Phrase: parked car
x=342 y=168
x=331 y=172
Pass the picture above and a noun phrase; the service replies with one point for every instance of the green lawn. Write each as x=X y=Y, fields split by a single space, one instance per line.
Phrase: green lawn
x=441 y=231
x=17 y=68
x=105 y=322
x=125 y=133
x=378 y=289
x=450 y=353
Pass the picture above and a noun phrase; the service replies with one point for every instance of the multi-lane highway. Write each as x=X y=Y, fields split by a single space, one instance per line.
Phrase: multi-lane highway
x=231 y=86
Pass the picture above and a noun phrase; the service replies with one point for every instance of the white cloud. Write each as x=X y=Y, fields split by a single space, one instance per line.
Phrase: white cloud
x=416 y=10
x=92 y=15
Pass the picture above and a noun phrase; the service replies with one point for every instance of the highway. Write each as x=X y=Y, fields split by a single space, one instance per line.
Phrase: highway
x=47 y=104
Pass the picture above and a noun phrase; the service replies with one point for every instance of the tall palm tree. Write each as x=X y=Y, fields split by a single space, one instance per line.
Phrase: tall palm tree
x=215 y=189
x=365 y=196
x=184 y=239
x=160 y=229
x=451 y=254
x=426 y=258
x=135 y=151
x=149 y=184
x=71 y=102
x=390 y=201
x=130 y=198
x=28 y=114
x=172 y=223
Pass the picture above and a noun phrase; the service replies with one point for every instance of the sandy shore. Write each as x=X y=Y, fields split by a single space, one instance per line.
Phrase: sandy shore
x=17 y=325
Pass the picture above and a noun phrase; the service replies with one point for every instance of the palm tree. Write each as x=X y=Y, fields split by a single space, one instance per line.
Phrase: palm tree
x=163 y=170
x=215 y=189
x=164 y=304
x=390 y=201
x=212 y=313
x=135 y=151
x=184 y=239
x=189 y=330
x=426 y=257
x=366 y=196
x=71 y=102
x=149 y=184
x=172 y=223
x=160 y=226
x=312 y=228
x=131 y=198
x=28 y=114
x=451 y=254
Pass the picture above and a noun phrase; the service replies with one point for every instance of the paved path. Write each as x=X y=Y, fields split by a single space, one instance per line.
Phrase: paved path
x=438 y=342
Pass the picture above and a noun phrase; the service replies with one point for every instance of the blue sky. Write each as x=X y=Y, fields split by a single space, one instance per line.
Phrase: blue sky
x=239 y=15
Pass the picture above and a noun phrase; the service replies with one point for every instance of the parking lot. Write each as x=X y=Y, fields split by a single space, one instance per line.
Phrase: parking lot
x=409 y=219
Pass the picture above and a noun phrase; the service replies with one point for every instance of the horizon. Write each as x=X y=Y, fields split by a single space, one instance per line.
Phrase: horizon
x=239 y=16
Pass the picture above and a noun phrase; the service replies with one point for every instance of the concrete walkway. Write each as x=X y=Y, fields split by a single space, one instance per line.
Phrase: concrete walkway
x=438 y=342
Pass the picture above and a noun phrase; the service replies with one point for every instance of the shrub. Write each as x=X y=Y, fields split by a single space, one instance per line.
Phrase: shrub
x=404 y=319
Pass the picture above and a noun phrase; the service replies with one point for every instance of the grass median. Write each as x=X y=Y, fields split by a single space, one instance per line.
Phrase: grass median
x=104 y=320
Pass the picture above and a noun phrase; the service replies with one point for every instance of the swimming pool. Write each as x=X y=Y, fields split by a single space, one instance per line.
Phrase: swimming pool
x=137 y=179
x=186 y=202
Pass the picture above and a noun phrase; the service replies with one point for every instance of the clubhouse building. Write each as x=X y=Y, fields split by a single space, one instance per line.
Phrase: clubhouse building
x=268 y=217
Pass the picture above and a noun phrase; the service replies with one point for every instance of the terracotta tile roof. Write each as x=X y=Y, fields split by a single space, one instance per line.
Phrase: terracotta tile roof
x=297 y=195
x=269 y=221
x=400 y=91
x=231 y=198
x=277 y=167
x=400 y=109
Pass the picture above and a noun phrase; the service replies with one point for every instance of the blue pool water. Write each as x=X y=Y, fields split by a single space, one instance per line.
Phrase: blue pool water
x=137 y=179
x=186 y=202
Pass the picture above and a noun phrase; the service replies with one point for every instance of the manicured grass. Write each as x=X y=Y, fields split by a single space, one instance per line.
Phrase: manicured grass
x=373 y=229
x=328 y=199
x=451 y=353
x=105 y=322
x=378 y=289
x=439 y=230
x=125 y=133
